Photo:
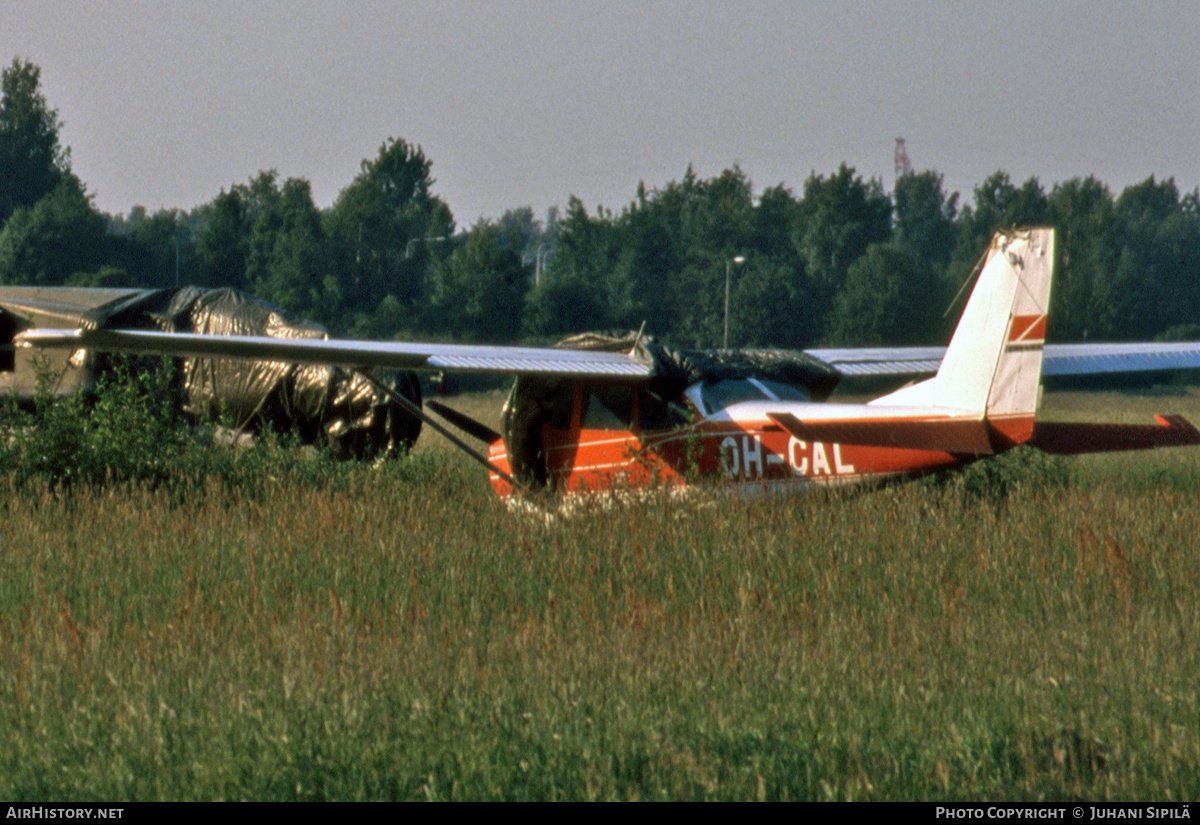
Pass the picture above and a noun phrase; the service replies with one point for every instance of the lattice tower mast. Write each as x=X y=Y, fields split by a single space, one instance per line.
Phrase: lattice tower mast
x=902 y=164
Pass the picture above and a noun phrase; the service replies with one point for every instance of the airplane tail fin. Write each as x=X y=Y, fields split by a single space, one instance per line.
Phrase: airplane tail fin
x=994 y=362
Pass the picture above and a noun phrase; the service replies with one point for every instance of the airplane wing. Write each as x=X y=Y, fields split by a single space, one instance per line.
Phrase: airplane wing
x=882 y=360
x=349 y=353
x=1092 y=359
x=1057 y=359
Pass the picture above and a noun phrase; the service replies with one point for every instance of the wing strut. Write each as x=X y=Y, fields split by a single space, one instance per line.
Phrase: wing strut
x=465 y=423
x=413 y=409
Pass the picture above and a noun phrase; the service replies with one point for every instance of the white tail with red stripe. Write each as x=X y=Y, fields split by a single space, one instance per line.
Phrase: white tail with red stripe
x=994 y=362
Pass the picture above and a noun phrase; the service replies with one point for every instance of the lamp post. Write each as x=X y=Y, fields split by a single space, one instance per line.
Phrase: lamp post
x=737 y=259
x=408 y=247
x=539 y=263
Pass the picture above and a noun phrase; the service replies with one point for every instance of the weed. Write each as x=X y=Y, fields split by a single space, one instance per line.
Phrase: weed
x=297 y=629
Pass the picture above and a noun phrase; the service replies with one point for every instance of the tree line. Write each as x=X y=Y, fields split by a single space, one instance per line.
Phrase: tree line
x=842 y=262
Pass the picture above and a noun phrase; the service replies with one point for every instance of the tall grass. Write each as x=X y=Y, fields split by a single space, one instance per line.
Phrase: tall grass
x=395 y=634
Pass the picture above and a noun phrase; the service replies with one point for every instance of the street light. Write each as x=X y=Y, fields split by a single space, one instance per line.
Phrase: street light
x=737 y=259
x=539 y=263
x=408 y=247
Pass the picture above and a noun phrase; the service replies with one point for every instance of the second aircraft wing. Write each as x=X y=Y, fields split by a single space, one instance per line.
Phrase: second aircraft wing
x=1057 y=359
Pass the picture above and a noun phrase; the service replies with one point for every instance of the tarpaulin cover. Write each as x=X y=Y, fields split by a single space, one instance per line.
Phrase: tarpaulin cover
x=322 y=404
x=534 y=401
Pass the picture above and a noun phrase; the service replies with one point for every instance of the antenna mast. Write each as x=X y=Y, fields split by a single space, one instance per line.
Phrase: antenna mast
x=902 y=164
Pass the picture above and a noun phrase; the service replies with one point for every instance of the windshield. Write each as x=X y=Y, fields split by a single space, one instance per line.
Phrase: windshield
x=717 y=395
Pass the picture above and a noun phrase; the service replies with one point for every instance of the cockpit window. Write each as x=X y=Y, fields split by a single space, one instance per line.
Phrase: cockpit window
x=783 y=392
x=656 y=413
x=717 y=395
x=608 y=407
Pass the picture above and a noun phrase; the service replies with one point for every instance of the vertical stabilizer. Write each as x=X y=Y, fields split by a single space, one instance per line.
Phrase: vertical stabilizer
x=994 y=362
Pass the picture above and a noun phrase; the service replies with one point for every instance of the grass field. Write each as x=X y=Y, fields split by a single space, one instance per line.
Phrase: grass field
x=323 y=632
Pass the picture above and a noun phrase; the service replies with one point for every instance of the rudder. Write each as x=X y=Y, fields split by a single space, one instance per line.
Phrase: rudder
x=1016 y=388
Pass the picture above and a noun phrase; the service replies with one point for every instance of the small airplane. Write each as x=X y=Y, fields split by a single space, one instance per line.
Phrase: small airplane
x=618 y=413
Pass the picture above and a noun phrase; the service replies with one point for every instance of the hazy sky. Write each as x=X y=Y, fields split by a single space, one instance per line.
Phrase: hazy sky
x=525 y=103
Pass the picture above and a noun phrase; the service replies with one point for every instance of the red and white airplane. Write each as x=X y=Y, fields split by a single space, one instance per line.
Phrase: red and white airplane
x=602 y=421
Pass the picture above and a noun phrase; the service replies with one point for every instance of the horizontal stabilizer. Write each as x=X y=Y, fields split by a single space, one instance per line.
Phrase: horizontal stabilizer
x=1075 y=439
x=465 y=423
x=959 y=436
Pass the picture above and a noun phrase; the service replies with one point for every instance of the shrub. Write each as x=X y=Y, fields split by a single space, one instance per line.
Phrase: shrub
x=995 y=478
x=130 y=431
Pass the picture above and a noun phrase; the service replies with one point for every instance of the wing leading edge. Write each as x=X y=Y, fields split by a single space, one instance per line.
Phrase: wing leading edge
x=359 y=354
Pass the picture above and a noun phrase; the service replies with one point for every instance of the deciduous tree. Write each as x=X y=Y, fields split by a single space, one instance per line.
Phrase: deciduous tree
x=31 y=160
x=382 y=224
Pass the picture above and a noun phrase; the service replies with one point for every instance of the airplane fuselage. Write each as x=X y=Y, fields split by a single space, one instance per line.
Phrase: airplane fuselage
x=740 y=445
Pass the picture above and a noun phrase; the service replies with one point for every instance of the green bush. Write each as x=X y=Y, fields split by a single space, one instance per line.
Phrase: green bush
x=994 y=479
x=127 y=431
x=131 y=432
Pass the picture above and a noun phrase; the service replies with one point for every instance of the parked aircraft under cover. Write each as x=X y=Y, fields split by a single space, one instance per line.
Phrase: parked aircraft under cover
x=320 y=403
